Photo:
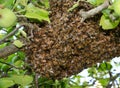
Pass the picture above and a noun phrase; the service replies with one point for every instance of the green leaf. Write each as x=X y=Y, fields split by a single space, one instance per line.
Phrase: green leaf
x=95 y=2
x=24 y=34
x=74 y=6
x=19 y=63
x=4 y=67
x=23 y=80
x=1 y=35
x=12 y=58
x=21 y=55
x=105 y=66
x=107 y=24
x=46 y=3
x=64 y=85
x=18 y=43
x=116 y=7
x=37 y=13
x=92 y=71
x=109 y=66
x=2 y=45
x=23 y=2
x=106 y=12
x=5 y=83
x=7 y=3
x=104 y=81
x=77 y=87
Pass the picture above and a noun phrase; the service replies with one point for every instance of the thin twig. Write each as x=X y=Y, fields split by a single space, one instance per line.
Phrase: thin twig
x=112 y=79
x=36 y=80
x=10 y=34
x=92 y=12
x=10 y=49
x=31 y=28
x=11 y=65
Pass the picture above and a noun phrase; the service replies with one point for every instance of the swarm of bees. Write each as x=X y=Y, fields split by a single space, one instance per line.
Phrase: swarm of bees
x=66 y=46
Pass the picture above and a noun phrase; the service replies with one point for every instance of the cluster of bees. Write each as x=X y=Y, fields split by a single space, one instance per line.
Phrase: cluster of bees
x=66 y=46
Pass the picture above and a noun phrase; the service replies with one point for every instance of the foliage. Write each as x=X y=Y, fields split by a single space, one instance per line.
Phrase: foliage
x=21 y=80
x=13 y=72
x=111 y=15
x=28 y=9
x=96 y=2
x=110 y=18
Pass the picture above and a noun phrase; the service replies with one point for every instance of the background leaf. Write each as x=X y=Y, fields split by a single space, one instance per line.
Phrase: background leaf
x=37 y=13
x=5 y=83
x=23 y=80
x=7 y=3
x=95 y=2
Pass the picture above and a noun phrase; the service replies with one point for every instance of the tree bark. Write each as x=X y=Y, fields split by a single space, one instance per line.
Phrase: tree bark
x=8 y=50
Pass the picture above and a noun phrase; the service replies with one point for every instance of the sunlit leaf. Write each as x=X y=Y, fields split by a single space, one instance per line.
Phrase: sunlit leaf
x=23 y=80
x=107 y=24
x=96 y=2
x=105 y=66
x=93 y=2
x=37 y=13
x=24 y=34
x=46 y=3
x=18 y=43
x=1 y=35
x=116 y=7
x=104 y=81
x=5 y=83
x=19 y=63
x=7 y=3
x=2 y=45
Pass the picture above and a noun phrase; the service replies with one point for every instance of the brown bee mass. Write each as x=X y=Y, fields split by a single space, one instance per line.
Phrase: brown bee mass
x=66 y=46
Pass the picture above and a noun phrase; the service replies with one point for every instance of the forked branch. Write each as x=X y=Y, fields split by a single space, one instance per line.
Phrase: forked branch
x=94 y=11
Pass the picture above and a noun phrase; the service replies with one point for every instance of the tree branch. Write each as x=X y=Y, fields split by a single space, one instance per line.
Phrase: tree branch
x=10 y=34
x=92 y=12
x=112 y=79
x=8 y=50
x=11 y=65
